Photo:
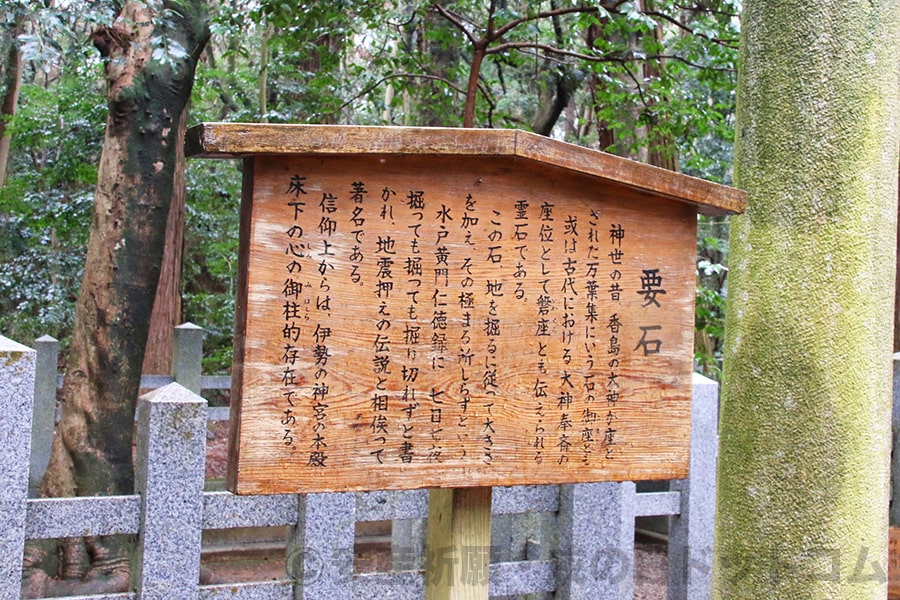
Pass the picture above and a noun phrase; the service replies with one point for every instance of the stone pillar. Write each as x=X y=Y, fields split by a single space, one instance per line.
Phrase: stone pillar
x=45 y=376
x=691 y=532
x=320 y=551
x=170 y=461
x=17 y=363
x=596 y=541
x=187 y=359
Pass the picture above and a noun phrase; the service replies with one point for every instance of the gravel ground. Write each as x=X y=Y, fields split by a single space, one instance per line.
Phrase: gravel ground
x=650 y=570
x=649 y=556
x=649 y=578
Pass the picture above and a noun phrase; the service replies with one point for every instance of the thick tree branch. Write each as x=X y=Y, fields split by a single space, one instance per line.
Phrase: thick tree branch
x=543 y=15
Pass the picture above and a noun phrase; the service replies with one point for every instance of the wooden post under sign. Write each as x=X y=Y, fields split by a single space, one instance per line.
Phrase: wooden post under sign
x=458 y=544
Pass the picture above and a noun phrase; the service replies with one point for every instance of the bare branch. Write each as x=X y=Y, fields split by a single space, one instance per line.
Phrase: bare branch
x=455 y=20
x=637 y=85
x=687 y=62
x=542 y=15
x=492 y=104
x=709 y=11
x=523 y=46
x=499 y=49
x=732 y=44
x=386 y=78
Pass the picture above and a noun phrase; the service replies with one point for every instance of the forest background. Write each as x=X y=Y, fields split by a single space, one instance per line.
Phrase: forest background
x=652 y=80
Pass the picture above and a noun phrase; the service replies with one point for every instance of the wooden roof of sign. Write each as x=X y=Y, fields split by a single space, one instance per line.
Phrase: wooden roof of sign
x=234 y=140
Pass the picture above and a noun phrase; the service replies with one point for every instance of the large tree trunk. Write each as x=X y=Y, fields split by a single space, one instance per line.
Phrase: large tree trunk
x=434 y=109
x=262 y=94
x=660 y=147
x=91 y=452
x=897 y=299
x=167 y=304
x=806 y=396
x=615 y=140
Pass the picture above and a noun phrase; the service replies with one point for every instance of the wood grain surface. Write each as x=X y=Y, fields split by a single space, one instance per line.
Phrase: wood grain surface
x=411 y=320
x=228 y=140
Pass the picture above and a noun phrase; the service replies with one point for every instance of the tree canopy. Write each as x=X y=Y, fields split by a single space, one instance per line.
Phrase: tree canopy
x=653 y=80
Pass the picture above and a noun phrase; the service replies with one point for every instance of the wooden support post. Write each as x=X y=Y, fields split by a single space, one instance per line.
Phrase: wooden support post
x=458 y=544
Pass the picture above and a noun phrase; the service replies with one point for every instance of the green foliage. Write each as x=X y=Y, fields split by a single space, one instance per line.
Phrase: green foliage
x=658 y=79
x=674 y=82
x=57 y=135
x=709 y=327
x=42 y=261
x=45 y=205
x=210 y=256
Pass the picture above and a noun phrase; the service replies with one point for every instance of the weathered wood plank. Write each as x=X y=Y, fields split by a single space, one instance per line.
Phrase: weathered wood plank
x=460 y=322
x=240 y=326
x=458 y=544
x=708 y=197
x=229 y=140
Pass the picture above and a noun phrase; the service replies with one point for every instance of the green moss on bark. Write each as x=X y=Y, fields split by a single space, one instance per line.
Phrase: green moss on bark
x=806 y=396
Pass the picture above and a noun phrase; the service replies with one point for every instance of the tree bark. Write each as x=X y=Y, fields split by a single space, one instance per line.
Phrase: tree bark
x=554 y=96
x=556 y=91
x=897 y=298
x=12 y=75
x=806 y=396
x=166 y=312
x=262 y=93
x=607 y=140
x=431 y=106
x=91 y=452
x=478 y=50
x=661 y=149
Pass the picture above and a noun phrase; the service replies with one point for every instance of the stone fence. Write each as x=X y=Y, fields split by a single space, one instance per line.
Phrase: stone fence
x=590 y=554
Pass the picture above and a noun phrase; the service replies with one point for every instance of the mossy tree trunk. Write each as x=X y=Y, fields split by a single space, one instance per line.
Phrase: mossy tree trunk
x=149 y=78
x=806 y=395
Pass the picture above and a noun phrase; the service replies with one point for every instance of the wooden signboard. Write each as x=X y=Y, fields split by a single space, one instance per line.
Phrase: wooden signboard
x=445 y=308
